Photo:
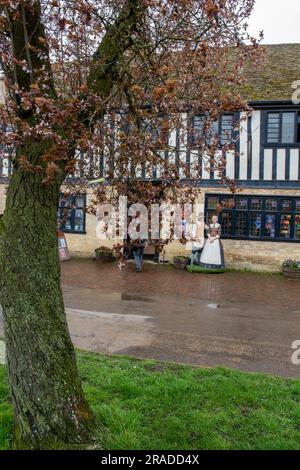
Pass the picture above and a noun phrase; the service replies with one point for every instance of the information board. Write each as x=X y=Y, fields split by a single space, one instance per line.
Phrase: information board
x=62 y=247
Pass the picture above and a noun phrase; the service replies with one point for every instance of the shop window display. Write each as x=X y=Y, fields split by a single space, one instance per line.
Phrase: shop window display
x=263 y=217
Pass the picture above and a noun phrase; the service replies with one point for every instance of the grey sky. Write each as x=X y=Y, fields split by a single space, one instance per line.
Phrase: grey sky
x=280 y=20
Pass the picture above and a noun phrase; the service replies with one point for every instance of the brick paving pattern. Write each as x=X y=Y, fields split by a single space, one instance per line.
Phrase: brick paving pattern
x=254 y=288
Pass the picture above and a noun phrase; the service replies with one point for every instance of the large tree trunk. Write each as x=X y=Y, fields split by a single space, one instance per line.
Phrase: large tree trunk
x=49 y=406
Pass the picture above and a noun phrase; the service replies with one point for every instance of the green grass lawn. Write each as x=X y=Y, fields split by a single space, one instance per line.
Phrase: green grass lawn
x=150 y=405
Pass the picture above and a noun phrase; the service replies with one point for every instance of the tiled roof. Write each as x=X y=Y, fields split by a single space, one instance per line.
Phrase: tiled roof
x=273 y=80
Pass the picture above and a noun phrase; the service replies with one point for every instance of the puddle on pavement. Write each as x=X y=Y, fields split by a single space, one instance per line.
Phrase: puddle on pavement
x=213 y=306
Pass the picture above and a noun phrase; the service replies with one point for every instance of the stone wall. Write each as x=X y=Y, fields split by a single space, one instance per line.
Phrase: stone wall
x=259 y=255
x=247 y=254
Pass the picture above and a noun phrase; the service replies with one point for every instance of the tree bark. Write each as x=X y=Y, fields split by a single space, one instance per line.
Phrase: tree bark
x=104 y=71
x=49 y=407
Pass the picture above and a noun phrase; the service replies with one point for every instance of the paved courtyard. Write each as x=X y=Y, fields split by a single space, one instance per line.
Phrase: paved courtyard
x=242 y=320
x=246 y=321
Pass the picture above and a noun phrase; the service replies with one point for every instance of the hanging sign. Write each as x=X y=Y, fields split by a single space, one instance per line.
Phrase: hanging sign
x=62 y=247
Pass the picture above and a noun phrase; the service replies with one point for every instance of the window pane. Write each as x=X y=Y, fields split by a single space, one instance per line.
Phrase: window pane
x=212 y=202
x=286 y=205
x=273 y=128
x=60 y=219
x=297 y=205
x=241 y=224
x=256 y=204
x=271 y=205
x=241 y=204
x=227 y=203
x=288 y=128
x=79 y=218
x=297 y=227
x=226 y=129
x=270 y=226
x=255 y=225
x=155 y=133
x=202 y=130
x=198 y=125
x=226 y=222
x=285 y=226
x=67 y=219
x=212 y=132
x=80 y=201
x=65 y=201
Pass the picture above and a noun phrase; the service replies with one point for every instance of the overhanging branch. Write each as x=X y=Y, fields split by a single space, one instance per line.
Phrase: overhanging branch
x=34 y=51
x=118 y=39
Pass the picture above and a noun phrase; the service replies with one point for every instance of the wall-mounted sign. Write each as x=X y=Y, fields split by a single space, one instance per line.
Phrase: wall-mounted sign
x=62 y=247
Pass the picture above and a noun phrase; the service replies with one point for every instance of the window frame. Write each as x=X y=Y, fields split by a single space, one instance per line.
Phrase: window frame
x=157 y=133
x=281 y=144
x=263 y=213
x=73 y=209
x=219 y=132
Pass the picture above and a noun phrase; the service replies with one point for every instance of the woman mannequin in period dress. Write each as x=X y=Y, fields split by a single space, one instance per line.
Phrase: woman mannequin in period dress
x=212 y=256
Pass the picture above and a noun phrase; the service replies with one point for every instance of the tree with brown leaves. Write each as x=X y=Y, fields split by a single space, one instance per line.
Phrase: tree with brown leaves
x=109 y=81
